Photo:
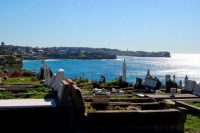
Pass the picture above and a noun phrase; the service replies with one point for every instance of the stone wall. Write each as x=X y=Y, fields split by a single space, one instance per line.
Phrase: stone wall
x=155 y=121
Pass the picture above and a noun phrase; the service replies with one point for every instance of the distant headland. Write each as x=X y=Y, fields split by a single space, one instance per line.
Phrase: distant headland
x=34 y=53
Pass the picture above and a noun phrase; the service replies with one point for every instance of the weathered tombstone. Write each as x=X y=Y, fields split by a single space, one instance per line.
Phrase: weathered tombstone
x=196 y=90
x=77 y=100
x=150 y=85
x=190 y=85
x=63 y=93
x=47 y=76
x=173 y=91
x=100 y=99
x=52 y=80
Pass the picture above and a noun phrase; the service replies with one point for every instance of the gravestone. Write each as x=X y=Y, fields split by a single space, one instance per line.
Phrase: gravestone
x=52 y=80
x=58 y=79
x=102 y=79
x=151 y=85
x=170 y=84
x=124 y=71
x=138 y=84
x=172 y=91
x=47 y=76
x=100 y=99
x=196 y=90
x=189 y=85
x=114 y=90
x=63 y=93
x=77 y=100
x=121 y=92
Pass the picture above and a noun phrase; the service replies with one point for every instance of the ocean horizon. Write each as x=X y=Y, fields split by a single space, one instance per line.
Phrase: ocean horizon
x=178 y=64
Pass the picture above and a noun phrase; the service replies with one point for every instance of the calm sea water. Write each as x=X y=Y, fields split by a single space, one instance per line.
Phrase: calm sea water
x=178 y=64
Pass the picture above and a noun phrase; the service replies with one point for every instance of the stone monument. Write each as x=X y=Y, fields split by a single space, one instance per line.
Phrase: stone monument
x=124 y=71
x=59 y=77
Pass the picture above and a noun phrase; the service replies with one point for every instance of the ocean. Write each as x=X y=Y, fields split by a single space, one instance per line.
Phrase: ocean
x=179 y=64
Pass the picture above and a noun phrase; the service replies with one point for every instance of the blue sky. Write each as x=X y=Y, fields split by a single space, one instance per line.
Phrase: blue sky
x=150 y=25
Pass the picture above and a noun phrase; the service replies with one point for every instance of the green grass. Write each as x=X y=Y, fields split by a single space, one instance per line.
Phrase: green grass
x=6 y=95
x=193 y=103
x=124 y=96
x=192 y=124
x=22 y=80
x=38 y=93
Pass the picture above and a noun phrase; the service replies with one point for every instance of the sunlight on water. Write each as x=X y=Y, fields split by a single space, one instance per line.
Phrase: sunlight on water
x=178 y=64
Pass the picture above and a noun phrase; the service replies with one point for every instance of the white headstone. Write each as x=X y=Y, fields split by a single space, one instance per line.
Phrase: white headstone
x=114 y=90
x=58 y=79
x=196 y=90
x=121 y=92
